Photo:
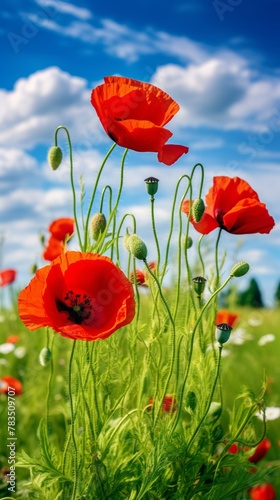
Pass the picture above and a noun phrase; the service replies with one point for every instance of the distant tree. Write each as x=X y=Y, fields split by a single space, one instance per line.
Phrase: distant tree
x=277 y=295
x=251 y=296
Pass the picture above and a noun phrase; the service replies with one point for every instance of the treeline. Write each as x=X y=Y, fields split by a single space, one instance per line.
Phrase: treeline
x=251 y=296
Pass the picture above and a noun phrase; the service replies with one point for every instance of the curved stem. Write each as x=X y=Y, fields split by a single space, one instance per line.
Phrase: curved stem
x=154 y=231
x=172 y=340
x=192 y=347
x=217 y=259
x=61 y=127
x=209 y=399
x=93 y=195
x=73 y=438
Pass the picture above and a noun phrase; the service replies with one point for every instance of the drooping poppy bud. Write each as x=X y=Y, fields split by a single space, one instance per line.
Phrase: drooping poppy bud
x=199 y=285
x=137 y=247
x=45 y=356
x=240 y=269
x=152 y=185
x=126 y=241
x=186 y=242
x=223 y=332
x=98 y=225
x=55 y=157
x=198 y=209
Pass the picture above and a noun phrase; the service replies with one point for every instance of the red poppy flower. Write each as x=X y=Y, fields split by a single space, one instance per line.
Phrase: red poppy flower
x=7 y=276
x=134 y=113
x=12 y=339
x=260 y=451
x=224 y=316
x=263 y=492
x=62 y=228
x=168 y=403
x=80 y=295
x=234 y=206
x=138 y=278
x=8 y=382
x=52 y=249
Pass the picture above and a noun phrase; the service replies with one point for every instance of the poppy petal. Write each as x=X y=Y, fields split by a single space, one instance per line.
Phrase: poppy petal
x=170 y=153
x=248 y=217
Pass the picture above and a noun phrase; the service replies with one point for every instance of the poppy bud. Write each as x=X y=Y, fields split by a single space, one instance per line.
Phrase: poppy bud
x=55 y=157
x=223 y=332
x=125 y=241
x=98 y=225
x=33 y=268
x=214 y=411
x=45 y=356
x=151 y=185
x=191 y=400
x=186 y=242
x=137 y=247
x=198 y=208
x=240 y=269
x=217 y=433
x=199 y=284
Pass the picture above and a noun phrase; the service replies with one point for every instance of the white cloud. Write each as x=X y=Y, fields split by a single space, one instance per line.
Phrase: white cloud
x=65 y=8
x=223 y=93
x=37 y=104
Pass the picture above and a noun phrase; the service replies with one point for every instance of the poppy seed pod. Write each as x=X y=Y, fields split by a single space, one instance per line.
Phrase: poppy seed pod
x=98 y=225
x=55 y=157
x=45 y=356
x=126 y=241
x=240 y=269
x=214 y=411
x=199 y=284
x=186 y=242
x=137 y=247
x=198 y=209
x=151 y=185
x=223 y=332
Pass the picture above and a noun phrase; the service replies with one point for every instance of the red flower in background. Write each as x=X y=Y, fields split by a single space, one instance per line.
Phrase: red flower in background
x=141 y=277
x=134 y=114
x=260 y=451
x=61 y=231
x=224 y=316
x=168 y=403
x=7 y=276
x=12 y=339
x=234 y=206
x=80 y=295
x=263 y=492
x=52 y=249
x=10 y=382
x=62 y=228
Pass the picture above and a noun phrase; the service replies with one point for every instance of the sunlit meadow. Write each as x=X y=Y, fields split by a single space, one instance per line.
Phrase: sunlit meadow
x=126 y=378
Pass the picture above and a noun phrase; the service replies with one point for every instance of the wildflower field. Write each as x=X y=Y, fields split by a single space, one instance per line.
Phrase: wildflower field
x=126 y=378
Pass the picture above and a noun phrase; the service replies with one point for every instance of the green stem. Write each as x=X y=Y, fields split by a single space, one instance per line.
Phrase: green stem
x=84 y=247
x=192 y=348
x=217 y=259
x=72 y=413
x=155 y=232
x=61 y=127
x=172 y=340
x=209 y=399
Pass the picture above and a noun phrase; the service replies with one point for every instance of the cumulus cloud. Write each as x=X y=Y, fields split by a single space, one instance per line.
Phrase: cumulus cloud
x=40 y=102
x=65 y=8
x=223 y=93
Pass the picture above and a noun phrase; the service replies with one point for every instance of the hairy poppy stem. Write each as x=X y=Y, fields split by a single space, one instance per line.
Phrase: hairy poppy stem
x=173 y=340
x=72 y=413
x=209 y=399
x=84 y=247
x=61 y=127
x=192 y=348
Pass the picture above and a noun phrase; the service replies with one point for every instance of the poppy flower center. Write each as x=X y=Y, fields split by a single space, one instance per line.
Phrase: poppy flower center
x=77 y=305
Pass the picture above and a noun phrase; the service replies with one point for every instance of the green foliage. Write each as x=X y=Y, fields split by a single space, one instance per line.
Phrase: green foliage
x=251 y=296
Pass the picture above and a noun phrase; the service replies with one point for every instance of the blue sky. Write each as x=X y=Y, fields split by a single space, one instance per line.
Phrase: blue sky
x=218 y=59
